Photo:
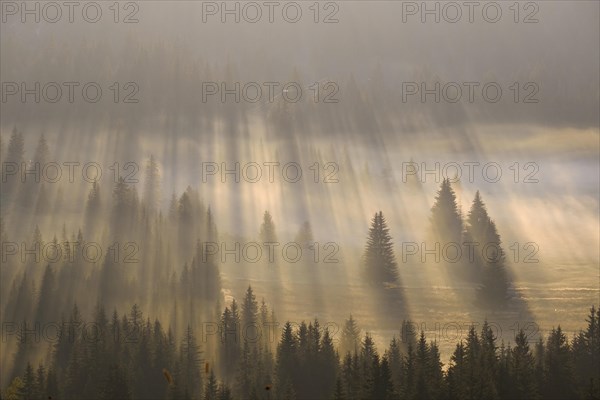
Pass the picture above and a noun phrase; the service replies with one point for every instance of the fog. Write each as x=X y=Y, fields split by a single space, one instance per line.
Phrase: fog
x=176 y=140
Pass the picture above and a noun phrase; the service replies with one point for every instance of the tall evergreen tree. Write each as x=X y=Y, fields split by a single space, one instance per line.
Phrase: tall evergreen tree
x=45 y=306
x=206 y=274
x=369 y=359
x=339 y=390
x=211 y=389
x=350 y=340
x=472 y=361
x=457 y=373
x=446 y=222
x=489 y=259
x=29 y=382
x=230 y=341
x=488 y=363
x=523 y=369
x=379 y=259
x=287 y=361
x=558 y=367
x=191 y=360
x=586 y=356
x=249 y=317
x=396 y=362
x=92 y=209
x=268 y=235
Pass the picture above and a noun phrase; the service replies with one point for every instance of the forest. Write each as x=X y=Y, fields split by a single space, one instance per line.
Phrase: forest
x=207 y=346
x=341 y=200
x=132 y=357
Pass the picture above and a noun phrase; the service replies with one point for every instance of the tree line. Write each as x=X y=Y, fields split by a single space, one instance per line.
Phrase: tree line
x=132 y=357
x=174 y=278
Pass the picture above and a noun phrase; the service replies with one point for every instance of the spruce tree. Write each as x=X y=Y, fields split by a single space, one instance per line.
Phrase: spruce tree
x=191 y=360
x=287 y=361
x=457 y=373
x=523 y=369
x=45 y=307
x=586 y=356
x=489 y=259
x=396 y=362
x=268 y=235
x=558 y=367
x=488 y=363
x=446 y=222
x=249 y=317
x=152 y=185
x=29 y=383
x=211 y=389
x=379 y=260
x=350 y=340
x=339 y=390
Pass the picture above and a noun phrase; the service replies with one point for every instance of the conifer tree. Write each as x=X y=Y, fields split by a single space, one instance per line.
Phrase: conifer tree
x=287 y=361
x=558 y=367
x=586 y=356
x=446 y=222
x=379 y=259
x=249 y=317
x=190 y=360
x=457 y=373
x=211 y=389
x=152 y=185
x=14 y=155
x=350 y=340
x=268 y=235
x=489 y=259
x=523 y=369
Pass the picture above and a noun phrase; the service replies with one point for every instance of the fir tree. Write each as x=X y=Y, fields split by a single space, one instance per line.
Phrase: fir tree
x=489 y=256
x=350 y=340
x=379 y=260
x=523 y=369
x=446 y=222
x=211 y=389
x=558 y=367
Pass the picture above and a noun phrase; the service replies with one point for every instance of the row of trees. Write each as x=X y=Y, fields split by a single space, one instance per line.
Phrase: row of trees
x=132 y=357
x=487 y=271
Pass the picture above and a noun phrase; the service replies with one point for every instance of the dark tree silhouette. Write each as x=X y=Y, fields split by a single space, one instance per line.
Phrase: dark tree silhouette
x=446 y=221
x=379 y=259
x=489 y=256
